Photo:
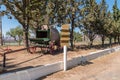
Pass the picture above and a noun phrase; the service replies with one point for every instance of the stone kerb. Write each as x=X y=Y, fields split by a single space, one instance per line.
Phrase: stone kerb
x=87 y=57
x=97 y=54
x=23 y=75
x=72 y=62
x=116 y=48
x=45 y=70
x=34 y=73
x=9 y=76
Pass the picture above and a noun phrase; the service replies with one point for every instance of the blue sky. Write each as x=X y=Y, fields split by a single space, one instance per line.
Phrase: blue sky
x=11 y=23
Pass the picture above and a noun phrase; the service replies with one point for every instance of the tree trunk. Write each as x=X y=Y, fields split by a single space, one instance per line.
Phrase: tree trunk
x=110 y=41
x=115 y=39
x=103 y=39
x=71 y=39
x=25 y=34
x=1 y=39
x=118 y=39
x=26 y=24
x=91 y=43
x=91 y=37
x=19 y=41
x=71 y=34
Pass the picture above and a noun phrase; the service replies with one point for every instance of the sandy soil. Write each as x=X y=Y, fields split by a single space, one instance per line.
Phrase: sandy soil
x=22 y=59
x=103 y=68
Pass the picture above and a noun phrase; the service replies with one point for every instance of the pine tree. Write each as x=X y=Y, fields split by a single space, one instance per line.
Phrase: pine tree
x=116 y=17
x=89 y=15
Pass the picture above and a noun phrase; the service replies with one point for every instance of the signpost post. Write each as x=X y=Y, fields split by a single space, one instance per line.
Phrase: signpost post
x=65 y=58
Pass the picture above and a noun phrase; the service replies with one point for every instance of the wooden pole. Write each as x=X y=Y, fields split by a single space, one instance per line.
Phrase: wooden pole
x=4 y=60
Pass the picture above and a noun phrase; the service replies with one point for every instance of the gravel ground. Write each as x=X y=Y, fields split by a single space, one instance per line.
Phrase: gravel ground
x=103 y=68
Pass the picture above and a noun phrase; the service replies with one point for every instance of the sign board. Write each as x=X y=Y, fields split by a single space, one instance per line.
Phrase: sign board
x=65 y=35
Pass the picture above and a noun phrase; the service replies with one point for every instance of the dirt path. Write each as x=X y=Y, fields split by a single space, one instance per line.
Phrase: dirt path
x=104 y=68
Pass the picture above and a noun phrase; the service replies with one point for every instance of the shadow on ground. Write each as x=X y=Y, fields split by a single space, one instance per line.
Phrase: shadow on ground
x=11 y=68
x=81 y=64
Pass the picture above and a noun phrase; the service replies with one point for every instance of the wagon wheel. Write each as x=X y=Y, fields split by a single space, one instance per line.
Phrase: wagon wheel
x=32 y=49
x=45 y=47
x=44 y=50
x=51 y=47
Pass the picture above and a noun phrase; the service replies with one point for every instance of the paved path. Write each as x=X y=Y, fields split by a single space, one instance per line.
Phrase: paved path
x=104 y=68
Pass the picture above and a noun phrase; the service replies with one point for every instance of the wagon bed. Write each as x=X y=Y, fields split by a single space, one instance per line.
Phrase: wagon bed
x=39 y=40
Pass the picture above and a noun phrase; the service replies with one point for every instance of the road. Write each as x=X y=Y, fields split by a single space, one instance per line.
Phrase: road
x=104 y=68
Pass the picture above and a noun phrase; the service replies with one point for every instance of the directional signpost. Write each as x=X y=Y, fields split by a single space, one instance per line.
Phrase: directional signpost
x=65 y=35
x=65 y=38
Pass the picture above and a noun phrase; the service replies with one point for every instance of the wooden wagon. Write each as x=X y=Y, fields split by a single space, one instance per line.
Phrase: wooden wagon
x=48 y=40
